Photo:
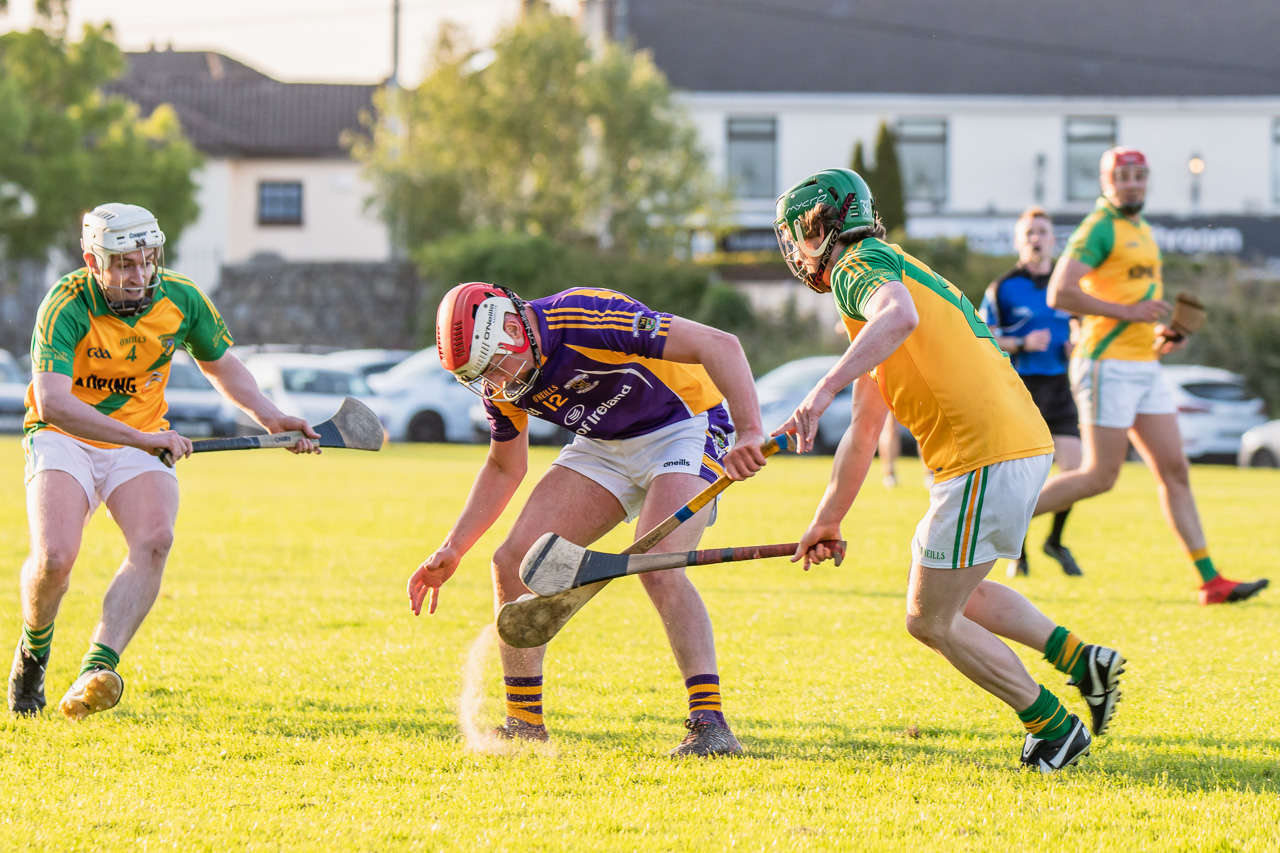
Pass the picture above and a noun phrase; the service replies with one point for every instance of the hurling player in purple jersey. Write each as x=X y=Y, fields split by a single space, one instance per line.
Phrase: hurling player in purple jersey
x=645 y=395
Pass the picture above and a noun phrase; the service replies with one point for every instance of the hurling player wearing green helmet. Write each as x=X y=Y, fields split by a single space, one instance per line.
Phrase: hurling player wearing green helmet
x=918 y=349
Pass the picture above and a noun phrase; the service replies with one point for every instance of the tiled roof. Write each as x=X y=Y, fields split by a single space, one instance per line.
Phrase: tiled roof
x=230 y=110
x=964 y=47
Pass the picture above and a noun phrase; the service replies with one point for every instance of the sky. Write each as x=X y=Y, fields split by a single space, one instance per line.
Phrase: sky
x=298 y=41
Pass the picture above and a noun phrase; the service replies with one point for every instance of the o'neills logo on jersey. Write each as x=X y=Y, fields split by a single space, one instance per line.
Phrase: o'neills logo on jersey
x=601 y=410
x=133 y=339
x=1142 y=271
x=120 y=385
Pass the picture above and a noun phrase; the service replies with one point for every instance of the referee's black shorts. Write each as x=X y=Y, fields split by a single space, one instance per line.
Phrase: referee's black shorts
x=1052 y=395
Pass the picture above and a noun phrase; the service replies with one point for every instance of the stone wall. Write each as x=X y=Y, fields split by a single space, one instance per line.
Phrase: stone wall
x=345 y=304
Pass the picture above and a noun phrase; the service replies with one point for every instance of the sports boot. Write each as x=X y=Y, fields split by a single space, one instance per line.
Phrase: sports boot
x=1050 y=756
x=1062 y=554
x=1100 y=685
x=26 y=682
x=706 y=738
x=97 y=690
x=1223 y=591
x=514 y=729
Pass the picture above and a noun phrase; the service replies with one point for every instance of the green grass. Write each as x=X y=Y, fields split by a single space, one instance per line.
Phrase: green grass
x=282 y=696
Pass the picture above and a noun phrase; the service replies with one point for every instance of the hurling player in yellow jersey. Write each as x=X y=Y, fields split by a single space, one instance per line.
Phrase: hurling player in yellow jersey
x=1110 y=274
x=918 y=349
x=95 y=425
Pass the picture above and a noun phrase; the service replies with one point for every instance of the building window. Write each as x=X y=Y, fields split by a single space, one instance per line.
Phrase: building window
x=279 y=202
x=1087 y=138
x=922 y=156
x=753 y=157
x=1275 y=161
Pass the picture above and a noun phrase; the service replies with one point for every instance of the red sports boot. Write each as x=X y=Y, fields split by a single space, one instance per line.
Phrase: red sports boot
x=1223 y=591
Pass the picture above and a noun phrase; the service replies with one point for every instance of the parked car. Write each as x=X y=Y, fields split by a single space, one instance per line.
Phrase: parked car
x=13 y=392
x=423 y=401
x=196 y=408
x=309 y=386
x=1215 y=409
x=781 y=390
x=1260 y=446
x=368 y=362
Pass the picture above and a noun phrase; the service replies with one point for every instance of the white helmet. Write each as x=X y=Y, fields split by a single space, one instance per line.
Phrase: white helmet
x=117 y=229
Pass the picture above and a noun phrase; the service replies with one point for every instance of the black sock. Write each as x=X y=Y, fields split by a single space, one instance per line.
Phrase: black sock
x=1059 y=521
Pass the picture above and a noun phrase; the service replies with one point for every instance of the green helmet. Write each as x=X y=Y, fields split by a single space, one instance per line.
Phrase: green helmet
x=845 y=190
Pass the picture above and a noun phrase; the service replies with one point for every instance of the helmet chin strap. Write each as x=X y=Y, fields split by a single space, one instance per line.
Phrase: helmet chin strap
x=814 y=280
x=531 y=343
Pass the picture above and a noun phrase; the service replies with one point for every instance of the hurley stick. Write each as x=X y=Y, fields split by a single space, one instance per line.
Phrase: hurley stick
x=532 y=621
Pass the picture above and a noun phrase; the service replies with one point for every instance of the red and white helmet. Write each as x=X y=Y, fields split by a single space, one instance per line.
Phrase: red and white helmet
x=472 y=337
x=1114 y=157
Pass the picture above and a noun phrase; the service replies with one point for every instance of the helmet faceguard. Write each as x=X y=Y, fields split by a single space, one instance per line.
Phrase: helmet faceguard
x=120 y=229
x=843 y=189
x=473 y=341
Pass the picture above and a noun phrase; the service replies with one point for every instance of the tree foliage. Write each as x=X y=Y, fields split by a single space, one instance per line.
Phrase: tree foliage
x=884 y=178
x=547 y=139
x=65 y=146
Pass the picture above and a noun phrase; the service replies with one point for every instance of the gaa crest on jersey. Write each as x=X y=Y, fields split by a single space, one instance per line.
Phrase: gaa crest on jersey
x=644 y=324
x=166 y=341
x=581 y=383
x=720 y=440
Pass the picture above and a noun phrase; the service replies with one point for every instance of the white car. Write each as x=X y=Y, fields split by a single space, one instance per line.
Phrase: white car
x=13 y=392
x=1215 y=409
x=309 y=386
x=1260 y=446
x=423 y=401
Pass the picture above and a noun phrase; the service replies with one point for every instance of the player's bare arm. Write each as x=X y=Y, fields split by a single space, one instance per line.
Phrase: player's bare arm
x=891 y=318
x=1066 y=294
x=229 y=375
x=849 y=470
x=503 y=471
x=57 y=405
x=1034 y=341
x=725 y=362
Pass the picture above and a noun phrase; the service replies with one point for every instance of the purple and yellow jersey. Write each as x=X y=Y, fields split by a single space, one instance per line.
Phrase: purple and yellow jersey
x=120 y=365
x=602 y=372
x=948 y=383
x=1124 y=262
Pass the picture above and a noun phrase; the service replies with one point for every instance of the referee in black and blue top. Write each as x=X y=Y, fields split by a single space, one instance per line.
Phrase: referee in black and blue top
x=1038 y=340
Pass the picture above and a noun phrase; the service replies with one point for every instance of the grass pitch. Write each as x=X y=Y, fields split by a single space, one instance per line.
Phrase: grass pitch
x=282 y=696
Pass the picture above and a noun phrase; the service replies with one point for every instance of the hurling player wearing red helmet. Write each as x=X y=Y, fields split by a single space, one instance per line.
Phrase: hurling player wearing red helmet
x=1110 y=275
x=659 y=406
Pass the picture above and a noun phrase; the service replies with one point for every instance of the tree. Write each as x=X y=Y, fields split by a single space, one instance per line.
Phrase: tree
x=887 y=183
x=65 y=147
x=859 y=164
x=541 y=137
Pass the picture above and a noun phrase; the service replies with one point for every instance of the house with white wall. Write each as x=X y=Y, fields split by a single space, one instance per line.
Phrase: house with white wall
x=278 y=177
x=997 y=104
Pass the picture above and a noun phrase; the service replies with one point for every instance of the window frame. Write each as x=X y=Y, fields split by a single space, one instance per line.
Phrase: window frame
x=742 y=190
x=265 y=203
x=1082 y=137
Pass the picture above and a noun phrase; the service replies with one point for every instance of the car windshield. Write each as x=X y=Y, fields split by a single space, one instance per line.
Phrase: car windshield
x=419 y=364
x=796 y=375
x=11 y=372
x=309 y=380
x=1227 y=392
x=185 y=376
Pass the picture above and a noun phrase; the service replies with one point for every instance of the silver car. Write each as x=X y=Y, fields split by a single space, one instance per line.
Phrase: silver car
x=1260 y=446
x=423 y=401
x=1215 y=409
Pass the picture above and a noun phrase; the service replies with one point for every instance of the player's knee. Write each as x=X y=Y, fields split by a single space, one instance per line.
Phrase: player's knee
x=934 y=633
x=54 y=561
x=153 y=547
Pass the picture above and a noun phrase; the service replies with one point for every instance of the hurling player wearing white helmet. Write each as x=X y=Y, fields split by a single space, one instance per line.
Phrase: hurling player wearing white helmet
x=95 y=431
x=644 y=394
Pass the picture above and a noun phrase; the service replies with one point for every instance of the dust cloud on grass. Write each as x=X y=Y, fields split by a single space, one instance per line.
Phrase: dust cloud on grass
x=477 y=729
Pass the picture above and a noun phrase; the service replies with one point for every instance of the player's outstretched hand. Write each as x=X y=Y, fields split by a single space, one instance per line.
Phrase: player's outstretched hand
x=745 y=458
x=304 y=445
x=429 y=577
x=803 y=423
x=1147 y=311
x=815 y=545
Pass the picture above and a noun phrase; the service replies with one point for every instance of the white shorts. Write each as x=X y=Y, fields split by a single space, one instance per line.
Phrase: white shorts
x=98 y=470
x=1110 y=392
x=980 y=516
x=627 y=466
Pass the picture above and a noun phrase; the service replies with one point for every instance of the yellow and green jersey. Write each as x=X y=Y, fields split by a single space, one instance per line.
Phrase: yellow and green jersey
x=120 y=365
x=1124 y=263
x=949 y=383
